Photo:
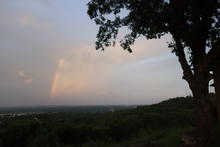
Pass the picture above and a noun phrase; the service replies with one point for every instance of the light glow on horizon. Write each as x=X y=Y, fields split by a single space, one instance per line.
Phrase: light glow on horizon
x=68 y=80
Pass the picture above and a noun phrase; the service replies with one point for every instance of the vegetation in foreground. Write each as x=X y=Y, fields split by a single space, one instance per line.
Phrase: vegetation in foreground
x=162 y=124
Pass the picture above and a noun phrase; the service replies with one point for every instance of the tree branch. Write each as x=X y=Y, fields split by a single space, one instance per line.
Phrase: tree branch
x=211 y=77
x=187 y=73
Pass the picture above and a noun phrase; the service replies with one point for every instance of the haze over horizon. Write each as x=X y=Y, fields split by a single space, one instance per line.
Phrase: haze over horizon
x=48 y=57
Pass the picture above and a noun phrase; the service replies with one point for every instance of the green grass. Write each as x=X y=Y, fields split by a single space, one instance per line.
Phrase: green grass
x=171 y=137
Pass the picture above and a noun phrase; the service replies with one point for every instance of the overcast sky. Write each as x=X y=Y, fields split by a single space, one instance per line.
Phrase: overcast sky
x=48 y=57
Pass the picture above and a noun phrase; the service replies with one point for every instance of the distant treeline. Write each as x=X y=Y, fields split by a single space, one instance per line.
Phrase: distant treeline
x=54 y=109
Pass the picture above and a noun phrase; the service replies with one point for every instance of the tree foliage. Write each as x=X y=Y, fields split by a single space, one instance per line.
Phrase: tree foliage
x=154 y=18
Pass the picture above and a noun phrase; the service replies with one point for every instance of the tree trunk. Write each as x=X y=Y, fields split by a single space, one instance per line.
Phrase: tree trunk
x=216 y=73
x=205 y=130
x=214 y=65
x=203 y=135
x=198 y=80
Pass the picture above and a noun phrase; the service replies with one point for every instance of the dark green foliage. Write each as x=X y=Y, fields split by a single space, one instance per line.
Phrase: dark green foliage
x=78 y=129
x=191 y=21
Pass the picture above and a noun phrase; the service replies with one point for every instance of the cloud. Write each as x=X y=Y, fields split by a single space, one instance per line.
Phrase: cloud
x=26 y=21
x=33 y=22
x=27 y=79
x=83 y=71
x=44 y=2
x=21 y=74
x=47 y=2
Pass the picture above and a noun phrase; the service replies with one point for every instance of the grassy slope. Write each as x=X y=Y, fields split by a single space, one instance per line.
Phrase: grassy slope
x=168 y=120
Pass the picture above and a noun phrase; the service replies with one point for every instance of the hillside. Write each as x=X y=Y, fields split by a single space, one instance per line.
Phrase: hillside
x=161 y=124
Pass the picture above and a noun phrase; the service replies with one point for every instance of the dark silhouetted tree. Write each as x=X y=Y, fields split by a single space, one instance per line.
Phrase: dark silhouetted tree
x=194 y=26
x=214 y=66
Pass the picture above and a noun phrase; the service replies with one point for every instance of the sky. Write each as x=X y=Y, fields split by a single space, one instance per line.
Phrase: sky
x=48 y=57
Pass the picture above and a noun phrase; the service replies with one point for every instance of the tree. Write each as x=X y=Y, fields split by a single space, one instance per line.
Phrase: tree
x=194 y=26
x=214 y=66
